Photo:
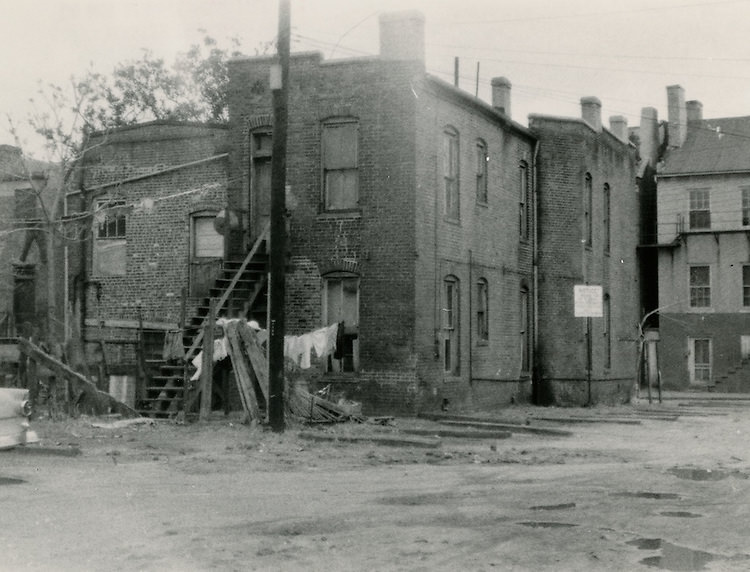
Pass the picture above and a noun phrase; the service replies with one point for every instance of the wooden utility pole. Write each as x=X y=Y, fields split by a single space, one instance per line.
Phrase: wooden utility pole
x=280 y=88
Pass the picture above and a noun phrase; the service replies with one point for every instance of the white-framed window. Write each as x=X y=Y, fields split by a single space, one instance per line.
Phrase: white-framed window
x=340 y=142
x=451 y=321
x=700 y=286
x=451 y=173
x=341 y=305
x=699 y=209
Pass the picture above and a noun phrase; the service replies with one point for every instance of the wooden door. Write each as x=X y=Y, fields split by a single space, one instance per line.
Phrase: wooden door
x=206 y=254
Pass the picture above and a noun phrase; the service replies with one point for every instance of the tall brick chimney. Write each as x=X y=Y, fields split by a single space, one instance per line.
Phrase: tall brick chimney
x=501 y=94
x=648 y=133
x=694 y=111
x=591 y=111
x=402 y=35
x=618 y=124
x=677 y=115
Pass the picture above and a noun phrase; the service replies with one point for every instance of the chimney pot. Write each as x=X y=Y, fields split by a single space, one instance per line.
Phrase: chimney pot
x=694 y=111
x=591 y=112
x=501 y=94
x=402 y=35
x=618 y=125
x=677 y=115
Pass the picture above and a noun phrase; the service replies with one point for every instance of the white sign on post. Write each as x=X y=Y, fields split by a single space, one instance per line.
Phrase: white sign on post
x=588 y=301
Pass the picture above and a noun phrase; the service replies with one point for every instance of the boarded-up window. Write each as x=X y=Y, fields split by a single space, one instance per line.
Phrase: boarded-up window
x=110 y=246
x=340 y=169
x=207 y=242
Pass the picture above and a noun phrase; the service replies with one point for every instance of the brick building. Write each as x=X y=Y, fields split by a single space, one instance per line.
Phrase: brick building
x=411 y=220
x=703 y=217
x=588 y=231
x=149 y=195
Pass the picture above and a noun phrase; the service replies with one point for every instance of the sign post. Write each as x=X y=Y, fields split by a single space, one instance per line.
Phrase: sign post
x=588 y=304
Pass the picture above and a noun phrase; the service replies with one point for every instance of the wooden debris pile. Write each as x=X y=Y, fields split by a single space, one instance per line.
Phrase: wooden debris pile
x=251 y=372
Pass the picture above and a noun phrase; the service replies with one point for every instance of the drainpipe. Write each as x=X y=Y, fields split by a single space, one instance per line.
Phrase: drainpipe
x=471 y=332
x=535 y=276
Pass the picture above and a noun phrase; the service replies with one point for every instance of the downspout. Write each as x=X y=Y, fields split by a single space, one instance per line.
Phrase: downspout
x=471 y=329
x=535 y=277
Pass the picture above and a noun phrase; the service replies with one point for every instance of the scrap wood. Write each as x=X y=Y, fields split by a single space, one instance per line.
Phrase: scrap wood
x=242 y=372
x=124 y=423
x=257 y=358
x=379 y=439
x=98 y=401
x=311 y=408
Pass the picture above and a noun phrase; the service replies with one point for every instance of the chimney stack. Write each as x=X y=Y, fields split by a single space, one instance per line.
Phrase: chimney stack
x=501 y=94
x=677 y=115
x=618 y=125
x=694 y=111
x=402 y=36
x=591 y=111
x=648 y=134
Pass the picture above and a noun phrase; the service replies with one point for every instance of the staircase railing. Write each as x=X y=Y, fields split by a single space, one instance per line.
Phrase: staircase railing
x=228 y=292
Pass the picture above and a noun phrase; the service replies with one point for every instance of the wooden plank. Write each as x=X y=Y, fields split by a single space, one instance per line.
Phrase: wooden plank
x=241 y=373
x=257 y=358
x=207 y=363
x=130 y=324
x=99 y=399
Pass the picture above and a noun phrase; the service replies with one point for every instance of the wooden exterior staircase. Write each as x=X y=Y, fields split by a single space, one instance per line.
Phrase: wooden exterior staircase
x=240 y=289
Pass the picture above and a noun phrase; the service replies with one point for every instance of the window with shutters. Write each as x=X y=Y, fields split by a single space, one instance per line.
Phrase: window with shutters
x=340 y=166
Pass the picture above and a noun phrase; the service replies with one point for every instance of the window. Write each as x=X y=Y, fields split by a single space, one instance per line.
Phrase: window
x=207 y=241
x=700 y=209
x=700 y=356
x=450 y=174
x=607 y=218
x=525 y=328
x=110 y=216
x=110 y=246
x=746 y=286
x=746 y=207
x=607 y=332
x=341 y=304
x=700 y=286
x=340 y=167
x=451 y=310
x=587 y=210
x=481 y=167
x=482 y=310
x=523 y=201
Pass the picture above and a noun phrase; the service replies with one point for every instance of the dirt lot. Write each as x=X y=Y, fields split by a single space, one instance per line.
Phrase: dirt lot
x=626 y=489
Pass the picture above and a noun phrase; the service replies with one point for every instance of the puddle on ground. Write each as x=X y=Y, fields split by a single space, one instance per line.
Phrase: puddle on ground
x=694 y=474
x=10 y=481
x=648 y=495
x=672 y=557
x=554 y=506
x=535 y=524
x=680 y=514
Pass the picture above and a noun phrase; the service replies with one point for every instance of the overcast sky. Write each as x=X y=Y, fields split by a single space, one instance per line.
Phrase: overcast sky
x=553 y=52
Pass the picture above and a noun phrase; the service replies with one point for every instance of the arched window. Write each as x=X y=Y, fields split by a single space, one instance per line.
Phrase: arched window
x=483 y=320
x=523 y=200
x=607 y=332
x=606 y=207
x=341 y=305
x=451 y=322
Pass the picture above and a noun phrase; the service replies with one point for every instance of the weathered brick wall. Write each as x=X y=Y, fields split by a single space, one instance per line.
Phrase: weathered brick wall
x=376 y=241
x=485 y=243
x=569 y=149
x=158 y=228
